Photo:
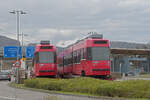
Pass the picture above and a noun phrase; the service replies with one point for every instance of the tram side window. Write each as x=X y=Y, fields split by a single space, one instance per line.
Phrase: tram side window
x=82 y=53
x=54 y=58
x=65 y=61
x=75 y=56
x=89 y=56
x=60 y=61
x=70 y=58
x=78 y=56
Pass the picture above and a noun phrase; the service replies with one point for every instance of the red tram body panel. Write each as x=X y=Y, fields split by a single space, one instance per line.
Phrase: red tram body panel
x=44 y=61
x=88 y=57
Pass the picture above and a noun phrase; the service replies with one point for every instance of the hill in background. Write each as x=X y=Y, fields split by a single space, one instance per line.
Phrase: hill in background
x=5 y=41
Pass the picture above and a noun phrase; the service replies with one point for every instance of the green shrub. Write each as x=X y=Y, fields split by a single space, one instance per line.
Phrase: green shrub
x=31 y=83
x=143 y=73
x=130 y=89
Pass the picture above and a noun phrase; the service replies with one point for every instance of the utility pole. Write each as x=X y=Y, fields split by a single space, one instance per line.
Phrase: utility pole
x=1 y=63
x=22 y=35
x=22 y=40
x=1 y=60
x=22 y=44
x=18 y=12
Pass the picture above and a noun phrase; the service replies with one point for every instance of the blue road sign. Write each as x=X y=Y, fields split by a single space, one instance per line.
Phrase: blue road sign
x=30 y=51
x=11 y=51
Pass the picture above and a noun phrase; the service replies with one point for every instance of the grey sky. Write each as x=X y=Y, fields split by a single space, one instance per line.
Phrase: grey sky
x=67 y=20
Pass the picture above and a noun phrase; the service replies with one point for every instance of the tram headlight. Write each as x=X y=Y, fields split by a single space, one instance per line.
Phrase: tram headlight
x=53 y=66
x=108 y=64
x=41 y=65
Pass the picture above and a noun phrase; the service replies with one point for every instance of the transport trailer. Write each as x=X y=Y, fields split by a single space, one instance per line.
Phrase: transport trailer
x=65 y=61
x=45 y=60
x=87 y=57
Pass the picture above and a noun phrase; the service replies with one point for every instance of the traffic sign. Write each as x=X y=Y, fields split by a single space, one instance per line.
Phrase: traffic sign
x=11 y=51
x=17 y=63
x=30 y=51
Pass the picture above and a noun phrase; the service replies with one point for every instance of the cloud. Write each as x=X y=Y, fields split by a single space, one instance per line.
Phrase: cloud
x=66 y=43
x=65 y=20
x=135 y=3
x=51 y=32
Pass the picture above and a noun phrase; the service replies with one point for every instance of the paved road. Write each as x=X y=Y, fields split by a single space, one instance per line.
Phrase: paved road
x=9 y=93
x=132 y=78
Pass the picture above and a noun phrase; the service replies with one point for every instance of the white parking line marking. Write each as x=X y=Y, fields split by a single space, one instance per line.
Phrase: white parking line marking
x=8 y=98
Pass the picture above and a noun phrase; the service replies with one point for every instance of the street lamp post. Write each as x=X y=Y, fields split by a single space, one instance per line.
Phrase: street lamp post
x=18 y=12
x=22 y=44
x=22 y=40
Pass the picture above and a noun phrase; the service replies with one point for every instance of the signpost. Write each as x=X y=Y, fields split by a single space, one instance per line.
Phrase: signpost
x=11 y=52
x=30 y=51
x=14 y=52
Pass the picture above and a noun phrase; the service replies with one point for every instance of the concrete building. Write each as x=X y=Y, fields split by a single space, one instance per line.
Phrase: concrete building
x=130 y=61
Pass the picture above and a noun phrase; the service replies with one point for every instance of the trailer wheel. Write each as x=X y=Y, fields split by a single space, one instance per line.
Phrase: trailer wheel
x=83 y=73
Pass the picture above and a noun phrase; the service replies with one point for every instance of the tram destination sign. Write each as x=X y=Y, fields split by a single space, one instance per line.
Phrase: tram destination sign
x=11 y=51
